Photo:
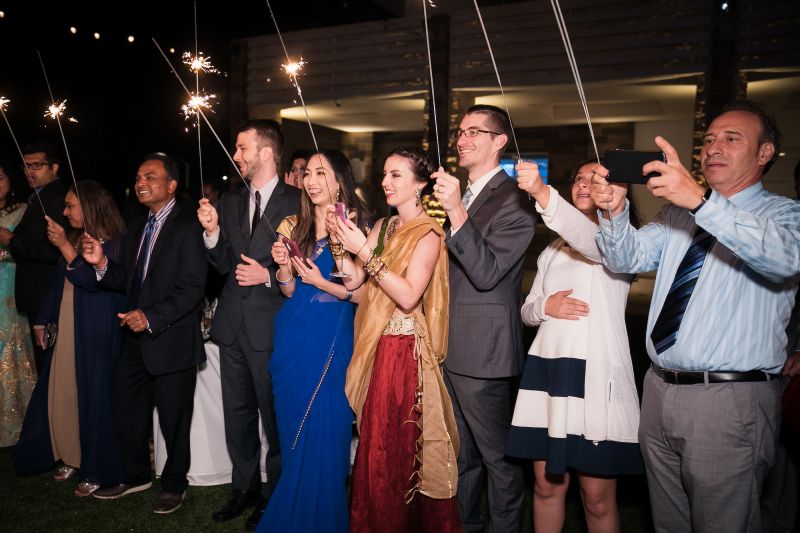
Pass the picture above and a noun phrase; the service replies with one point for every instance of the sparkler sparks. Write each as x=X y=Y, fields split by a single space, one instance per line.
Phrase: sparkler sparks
x=293 y=68
x=4 y=103
x=196 y=102
x=199 y=63
x=54 y=111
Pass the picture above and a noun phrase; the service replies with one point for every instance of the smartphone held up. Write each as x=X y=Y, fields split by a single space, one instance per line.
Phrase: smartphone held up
x=625 y=166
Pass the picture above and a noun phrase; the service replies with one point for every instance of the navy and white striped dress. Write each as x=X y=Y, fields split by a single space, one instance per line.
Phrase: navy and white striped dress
x=550 y=416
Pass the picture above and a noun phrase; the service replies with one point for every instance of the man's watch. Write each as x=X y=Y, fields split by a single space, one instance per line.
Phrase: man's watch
x=703 y=200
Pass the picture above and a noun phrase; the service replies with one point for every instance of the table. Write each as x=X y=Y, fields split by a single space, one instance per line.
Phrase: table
x=211 y=464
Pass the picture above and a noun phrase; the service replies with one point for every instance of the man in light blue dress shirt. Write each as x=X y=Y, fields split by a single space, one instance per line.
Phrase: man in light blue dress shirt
x=711 y=405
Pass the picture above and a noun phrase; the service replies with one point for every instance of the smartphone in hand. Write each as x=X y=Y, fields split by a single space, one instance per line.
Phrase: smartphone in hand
x=294 y=249
x=625 y=166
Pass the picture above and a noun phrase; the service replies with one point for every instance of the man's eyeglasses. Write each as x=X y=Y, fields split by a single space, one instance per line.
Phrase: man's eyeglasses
x=36 y=165
x=470 y=133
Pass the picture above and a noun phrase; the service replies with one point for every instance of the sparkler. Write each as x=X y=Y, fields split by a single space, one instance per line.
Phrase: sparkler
x=195 y=102
x=573 y=65
x=3 y=107
x=55 y=111
x=201 y=114
x=199 y=63
x=497 y=73
x=430 y=71
x=293 y=68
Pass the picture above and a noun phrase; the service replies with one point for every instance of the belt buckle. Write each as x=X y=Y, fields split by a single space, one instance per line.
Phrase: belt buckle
x=674 y=374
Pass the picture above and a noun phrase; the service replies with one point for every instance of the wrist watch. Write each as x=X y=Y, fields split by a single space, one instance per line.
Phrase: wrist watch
x=703 y=200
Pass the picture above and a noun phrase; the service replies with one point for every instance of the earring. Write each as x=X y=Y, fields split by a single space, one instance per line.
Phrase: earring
x=339 y=194
x=418 y=194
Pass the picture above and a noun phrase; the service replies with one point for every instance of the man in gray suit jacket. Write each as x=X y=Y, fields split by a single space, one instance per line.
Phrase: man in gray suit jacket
x=239 y=242
x=490 y=230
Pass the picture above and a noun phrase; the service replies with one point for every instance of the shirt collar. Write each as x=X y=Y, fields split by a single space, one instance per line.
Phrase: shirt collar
x=747 y=195
x=477 y=186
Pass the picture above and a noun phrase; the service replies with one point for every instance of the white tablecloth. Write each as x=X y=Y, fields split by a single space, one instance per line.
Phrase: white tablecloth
x=211 y=464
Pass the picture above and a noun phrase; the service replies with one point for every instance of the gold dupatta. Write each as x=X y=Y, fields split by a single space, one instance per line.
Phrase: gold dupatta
x=438 y=445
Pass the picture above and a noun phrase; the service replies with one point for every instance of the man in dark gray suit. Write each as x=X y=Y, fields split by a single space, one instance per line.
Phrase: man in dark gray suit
x=490 y=230
x=239 y=241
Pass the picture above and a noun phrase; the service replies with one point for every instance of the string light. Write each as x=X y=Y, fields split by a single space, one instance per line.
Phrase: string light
x=131 y=38
x=73 y=30
x=96 y=36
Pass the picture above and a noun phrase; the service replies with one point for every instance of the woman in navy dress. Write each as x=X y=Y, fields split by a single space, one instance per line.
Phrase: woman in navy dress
x=313 y=345
x=69 y=416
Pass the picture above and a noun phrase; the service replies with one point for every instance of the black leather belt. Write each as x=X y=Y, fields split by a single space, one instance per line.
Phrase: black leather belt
x=686 y=377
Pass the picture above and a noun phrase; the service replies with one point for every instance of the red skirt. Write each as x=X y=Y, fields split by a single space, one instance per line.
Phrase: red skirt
x=384 y=465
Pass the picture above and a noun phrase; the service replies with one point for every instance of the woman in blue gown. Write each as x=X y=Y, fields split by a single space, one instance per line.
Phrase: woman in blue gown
x=313 y=345
x=69 y=415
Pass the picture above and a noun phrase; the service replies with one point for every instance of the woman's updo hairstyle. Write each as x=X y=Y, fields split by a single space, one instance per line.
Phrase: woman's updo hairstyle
x=421 y=162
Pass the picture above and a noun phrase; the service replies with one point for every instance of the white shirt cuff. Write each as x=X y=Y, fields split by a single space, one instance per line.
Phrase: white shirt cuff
x=211 y=240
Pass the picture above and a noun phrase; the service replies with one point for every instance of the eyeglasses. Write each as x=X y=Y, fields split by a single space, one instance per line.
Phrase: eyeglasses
x=36 y=165
x=470 y=133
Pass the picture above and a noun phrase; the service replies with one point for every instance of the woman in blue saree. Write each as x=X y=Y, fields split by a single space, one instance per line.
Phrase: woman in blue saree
x=313 y=345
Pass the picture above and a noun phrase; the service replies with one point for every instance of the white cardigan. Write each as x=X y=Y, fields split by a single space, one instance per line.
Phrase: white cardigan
x=611 y=403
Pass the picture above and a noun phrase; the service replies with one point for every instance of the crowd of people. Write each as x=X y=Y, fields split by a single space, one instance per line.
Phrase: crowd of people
x=412 y=331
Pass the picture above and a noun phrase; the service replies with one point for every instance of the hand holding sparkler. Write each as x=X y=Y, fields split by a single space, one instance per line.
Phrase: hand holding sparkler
x=55 y=233
x=92 y=251
x=603 y=193
x=208 y=216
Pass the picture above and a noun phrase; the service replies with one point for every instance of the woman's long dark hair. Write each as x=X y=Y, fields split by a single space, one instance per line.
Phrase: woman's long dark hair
x=633 y=211
x=100 y=213
x=304 y=231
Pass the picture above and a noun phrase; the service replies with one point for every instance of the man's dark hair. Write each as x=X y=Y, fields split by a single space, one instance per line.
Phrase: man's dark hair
x=268 y=132
x=302 y=153
x=497 y=118
x=769 y=128
x=49 y=150
x=169 y=164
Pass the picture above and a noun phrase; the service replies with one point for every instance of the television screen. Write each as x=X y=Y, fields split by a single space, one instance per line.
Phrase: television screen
x=507 y=163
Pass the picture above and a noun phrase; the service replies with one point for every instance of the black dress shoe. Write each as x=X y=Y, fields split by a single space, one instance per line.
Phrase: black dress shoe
x=255 y=516
x=239 y=501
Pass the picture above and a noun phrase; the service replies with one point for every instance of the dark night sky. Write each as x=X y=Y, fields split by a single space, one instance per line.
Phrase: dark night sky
x=123 y=95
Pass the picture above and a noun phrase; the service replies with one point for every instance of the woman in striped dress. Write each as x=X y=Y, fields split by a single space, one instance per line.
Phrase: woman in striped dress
x=577 y=408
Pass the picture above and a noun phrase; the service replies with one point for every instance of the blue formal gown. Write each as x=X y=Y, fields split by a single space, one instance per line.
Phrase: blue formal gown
x=313 y=345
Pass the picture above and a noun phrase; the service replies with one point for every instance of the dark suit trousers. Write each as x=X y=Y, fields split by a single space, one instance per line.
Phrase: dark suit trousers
x=246 y=392
x=483 y=408
x=135 y=392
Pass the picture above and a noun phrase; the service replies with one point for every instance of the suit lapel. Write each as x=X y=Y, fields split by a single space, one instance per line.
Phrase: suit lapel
x=244 y=212
x=271 y=210
x=133 y=248
x=494 y=183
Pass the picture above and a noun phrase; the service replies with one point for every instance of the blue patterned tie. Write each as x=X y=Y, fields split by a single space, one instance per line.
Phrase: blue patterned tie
x=665 y=331
x=144 y=253
x=467 y=197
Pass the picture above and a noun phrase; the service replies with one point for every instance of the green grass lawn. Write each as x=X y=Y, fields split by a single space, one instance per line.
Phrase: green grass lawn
x=39 y=504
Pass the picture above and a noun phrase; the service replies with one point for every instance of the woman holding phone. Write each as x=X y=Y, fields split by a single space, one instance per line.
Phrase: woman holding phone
x=313 y=345
x=405 y=473
x=577 y=409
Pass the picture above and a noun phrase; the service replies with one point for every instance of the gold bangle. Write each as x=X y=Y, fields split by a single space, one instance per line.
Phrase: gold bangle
x=378 y=277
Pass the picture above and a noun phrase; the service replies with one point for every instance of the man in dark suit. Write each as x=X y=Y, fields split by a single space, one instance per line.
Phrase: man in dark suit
x=490 y=230
x=239 y=239
x=35 y=256
x=164 y=275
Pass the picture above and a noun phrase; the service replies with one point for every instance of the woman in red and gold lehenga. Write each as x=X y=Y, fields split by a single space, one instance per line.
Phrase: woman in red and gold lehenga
x=405 y=472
